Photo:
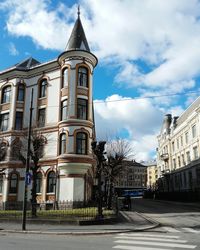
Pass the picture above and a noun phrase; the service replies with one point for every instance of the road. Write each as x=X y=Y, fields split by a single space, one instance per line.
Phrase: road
x=159 y=239
x=180 y=230
x=169 y=213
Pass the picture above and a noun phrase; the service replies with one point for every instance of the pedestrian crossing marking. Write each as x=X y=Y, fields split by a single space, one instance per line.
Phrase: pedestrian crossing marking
x=138 y=248
x=162 y=244
x=158 y=238
x=171 y=230
x=180 y=230
x=150 y=235
x=191 y=230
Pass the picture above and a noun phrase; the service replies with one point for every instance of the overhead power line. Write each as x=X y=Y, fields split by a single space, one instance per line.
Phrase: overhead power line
x=139 y=98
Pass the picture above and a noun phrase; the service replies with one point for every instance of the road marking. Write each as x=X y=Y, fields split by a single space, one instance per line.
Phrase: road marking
x=171 y=230
x=191 y=230
x=158 y=238
x=162 y=244
x=150 y=235
x=138 y=248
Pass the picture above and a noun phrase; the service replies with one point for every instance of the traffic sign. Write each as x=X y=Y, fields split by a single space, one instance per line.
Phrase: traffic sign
x=28 y=178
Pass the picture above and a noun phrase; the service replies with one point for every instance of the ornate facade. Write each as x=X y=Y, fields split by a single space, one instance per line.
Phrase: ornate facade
x=62 y=113
x=179 y=151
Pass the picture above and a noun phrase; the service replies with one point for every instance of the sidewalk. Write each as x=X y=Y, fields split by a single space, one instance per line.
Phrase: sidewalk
x=188 y=204
x=133 y=221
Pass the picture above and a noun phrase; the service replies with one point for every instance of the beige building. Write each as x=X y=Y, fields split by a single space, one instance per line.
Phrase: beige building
x=133 y=178
x=179 y=150
x=62 y=113
x=152 y=174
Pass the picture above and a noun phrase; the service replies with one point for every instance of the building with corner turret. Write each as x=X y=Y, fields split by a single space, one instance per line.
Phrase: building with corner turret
x=178 y=153
x=62 y=113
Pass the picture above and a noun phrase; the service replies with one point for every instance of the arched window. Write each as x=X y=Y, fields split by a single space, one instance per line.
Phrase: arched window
x=43 y=88
x=19 y=120
x=6 y=94
x=4 y=121
x=63 y=143
x=81 y=143
x=21 y=92
x=51 y=182
x=65 y=77
x=13 y=183
x=39 y=182
x=64 y=110
x=83 y=77
x=82 y=109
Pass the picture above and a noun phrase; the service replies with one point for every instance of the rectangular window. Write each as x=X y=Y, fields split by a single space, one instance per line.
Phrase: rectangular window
x=174 y=163
x=198 y=176
x=19 y=121
x=41 y=117
x=64 y=110
x=194 y=131
x=82 y=109
x=179 y=161
x=195 y=153
x=185 y=179
x=186 y=137
x=173 y=147
x=181 y=140
x=4 y=122
x=183 y=160
x=177 y=143
x=188 y=157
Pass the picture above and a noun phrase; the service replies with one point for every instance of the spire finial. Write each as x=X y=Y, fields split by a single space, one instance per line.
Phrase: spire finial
x=78 y=11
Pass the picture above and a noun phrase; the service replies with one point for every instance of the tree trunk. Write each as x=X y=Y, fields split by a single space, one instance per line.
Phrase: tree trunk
x=34 y=195
x=110 y=195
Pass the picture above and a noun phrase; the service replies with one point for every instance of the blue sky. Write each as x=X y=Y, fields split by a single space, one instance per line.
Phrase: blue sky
x=145 y=48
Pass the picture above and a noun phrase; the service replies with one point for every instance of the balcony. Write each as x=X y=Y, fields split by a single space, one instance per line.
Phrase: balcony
x=164 y=157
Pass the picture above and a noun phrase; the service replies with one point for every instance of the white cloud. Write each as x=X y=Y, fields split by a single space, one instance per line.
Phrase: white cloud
x=165 y=36
x=48 y=28
x=140 y=118
x=12 y=49
x=154 y=45
x=176 y=110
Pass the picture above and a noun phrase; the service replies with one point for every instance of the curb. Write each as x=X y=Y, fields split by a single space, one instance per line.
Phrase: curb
x=103 y=232
x=68 y=233
x=154 y=222
x=100 y=232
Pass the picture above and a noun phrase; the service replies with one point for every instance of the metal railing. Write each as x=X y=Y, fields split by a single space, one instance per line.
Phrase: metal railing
x=51 y=211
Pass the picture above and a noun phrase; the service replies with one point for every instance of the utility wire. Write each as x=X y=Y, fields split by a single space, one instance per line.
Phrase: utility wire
x=138 y=98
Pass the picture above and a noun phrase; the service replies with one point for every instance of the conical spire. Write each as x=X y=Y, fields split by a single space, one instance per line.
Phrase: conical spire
x=77 y=40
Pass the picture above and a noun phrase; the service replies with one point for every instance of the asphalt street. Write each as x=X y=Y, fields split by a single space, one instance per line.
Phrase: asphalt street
x=179 y=229
x=159 y=239
x=173 y=214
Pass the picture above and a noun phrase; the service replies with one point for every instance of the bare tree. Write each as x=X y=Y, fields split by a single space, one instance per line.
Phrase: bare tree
x=117 y=151
x=19 y=150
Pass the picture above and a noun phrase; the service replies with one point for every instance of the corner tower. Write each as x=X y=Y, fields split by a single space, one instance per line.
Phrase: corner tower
x=76 y=126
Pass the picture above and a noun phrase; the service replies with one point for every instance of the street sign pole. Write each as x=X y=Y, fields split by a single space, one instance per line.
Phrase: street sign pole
x=27 y=166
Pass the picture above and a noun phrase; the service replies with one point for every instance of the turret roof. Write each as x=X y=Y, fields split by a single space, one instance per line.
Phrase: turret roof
x=77 y=40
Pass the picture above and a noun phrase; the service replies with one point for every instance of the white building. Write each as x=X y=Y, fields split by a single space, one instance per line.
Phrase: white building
x=179 y=151
x=62 y=112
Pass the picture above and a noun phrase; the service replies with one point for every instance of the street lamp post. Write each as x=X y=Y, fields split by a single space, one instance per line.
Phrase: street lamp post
x=27 y=166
